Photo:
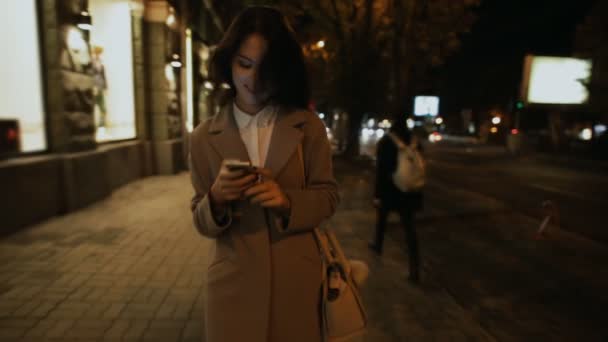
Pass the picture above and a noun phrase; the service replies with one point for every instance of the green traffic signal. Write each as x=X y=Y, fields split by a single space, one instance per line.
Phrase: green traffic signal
x=519 y=105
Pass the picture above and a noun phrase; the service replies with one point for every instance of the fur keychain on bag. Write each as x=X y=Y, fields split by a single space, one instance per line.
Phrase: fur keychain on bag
x=359 y=272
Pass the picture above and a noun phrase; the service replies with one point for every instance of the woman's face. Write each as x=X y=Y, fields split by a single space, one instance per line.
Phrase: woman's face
x=245 y=67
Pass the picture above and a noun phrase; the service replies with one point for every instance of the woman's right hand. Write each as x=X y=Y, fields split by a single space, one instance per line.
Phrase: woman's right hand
x=230 y=185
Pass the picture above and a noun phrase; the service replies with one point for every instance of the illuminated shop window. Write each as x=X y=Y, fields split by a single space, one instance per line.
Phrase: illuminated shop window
x=21 y=97
x=112 y=64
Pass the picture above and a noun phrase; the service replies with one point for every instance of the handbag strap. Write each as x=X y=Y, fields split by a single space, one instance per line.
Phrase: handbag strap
x=320 y=235
x=401 y=145
x=303 y=167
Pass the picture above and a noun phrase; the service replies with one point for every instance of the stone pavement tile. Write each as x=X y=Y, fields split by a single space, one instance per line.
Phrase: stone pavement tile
x=80 y=293
x=102 y=281
x=11 y=334
x=193 y=330
x=113 y=311
x=139 y=310
x=40 y=330
x=88 y=329
x=8 y=306
x=136 y=329
x=14 y=293
x=44 y=308
x=148 y=293
x=117 y=330
x=58 y=293
x=143 y=295
x=183 y=310
x=182 y=294
x=164 y=331
x=121 y=294
x=96 y=294
x=97 y=310
x=27 y=308
x=166 y=310
x=15 y=327
x=59 y=330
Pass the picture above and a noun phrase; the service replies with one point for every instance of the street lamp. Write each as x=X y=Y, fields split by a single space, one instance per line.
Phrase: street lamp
x=496 y=120
x=175 y=61
x=83 y=21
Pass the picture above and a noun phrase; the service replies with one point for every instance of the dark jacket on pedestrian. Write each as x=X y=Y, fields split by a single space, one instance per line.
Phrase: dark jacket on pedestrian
x=386 y=163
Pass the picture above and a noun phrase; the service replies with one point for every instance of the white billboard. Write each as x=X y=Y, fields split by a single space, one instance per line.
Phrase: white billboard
x=426 y=105
x=555 y=80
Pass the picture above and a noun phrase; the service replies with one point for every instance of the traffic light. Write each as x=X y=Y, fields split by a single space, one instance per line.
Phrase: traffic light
x=519 y=105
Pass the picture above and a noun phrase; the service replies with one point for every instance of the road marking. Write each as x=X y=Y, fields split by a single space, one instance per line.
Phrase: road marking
x=559 y=191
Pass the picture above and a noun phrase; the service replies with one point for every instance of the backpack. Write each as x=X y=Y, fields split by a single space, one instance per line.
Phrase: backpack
x=410 y=172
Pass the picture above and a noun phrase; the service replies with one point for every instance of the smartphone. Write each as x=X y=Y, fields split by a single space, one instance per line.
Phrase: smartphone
x=235 y=165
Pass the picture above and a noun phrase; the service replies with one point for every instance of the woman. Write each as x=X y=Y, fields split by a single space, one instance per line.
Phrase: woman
x=264 y=278
x=389 y=198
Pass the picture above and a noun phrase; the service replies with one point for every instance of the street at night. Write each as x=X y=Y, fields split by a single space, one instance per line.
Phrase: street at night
x=303 y=171
x=131 y=267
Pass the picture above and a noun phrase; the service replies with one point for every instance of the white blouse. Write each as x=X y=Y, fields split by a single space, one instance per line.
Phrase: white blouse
x=256 y=131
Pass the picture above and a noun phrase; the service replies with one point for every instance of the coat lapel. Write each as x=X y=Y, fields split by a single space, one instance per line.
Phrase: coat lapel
x=225 y=136
x=286 y=136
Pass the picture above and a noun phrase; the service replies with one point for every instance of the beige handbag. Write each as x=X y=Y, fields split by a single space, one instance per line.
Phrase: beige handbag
x=342 y=312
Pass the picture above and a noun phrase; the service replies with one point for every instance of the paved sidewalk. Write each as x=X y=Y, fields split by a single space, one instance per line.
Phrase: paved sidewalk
x=132 y=268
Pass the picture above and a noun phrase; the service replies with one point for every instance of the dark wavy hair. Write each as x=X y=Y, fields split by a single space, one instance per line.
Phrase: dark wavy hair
x=282 y=70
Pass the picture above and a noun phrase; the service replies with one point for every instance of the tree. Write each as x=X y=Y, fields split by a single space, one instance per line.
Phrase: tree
x=591 y=41
x=375 y=49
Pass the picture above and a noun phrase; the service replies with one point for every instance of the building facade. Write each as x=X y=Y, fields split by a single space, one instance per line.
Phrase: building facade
x=95 y=94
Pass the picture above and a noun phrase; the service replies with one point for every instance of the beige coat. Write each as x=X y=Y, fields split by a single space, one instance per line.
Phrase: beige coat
x=264 y=279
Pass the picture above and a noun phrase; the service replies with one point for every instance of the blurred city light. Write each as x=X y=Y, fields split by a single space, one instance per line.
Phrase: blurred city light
x=371 y=123
x=586 y=134
x=209 y=85
x=379 y=133
x=439 y=121
x=225 y=85
x=321 y=44
x=599 y=129
x=171 y=18
x=494 y=130
x=321 y=116
x=84 y=21
x=366 y=134
x=385 y=124
x=175 y=62
x=189 y=83
x=496 y=120
x=410 y=123
x=435 y=137
x=330 y=135
x=75 y=40
x=514 y=131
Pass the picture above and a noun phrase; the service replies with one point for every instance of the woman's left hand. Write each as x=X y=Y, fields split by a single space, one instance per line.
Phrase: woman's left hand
x=268 y=194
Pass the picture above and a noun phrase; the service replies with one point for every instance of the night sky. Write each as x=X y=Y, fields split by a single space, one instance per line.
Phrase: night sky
x=487 y=70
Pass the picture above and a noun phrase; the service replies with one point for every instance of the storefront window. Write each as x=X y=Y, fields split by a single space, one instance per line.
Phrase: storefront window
x=112 y=64
x=21 y=97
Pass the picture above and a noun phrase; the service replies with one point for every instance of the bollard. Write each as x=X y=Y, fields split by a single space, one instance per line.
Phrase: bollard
x=550 y=214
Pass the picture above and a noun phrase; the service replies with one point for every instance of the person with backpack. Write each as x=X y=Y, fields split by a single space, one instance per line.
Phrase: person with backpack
x=400 y=177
